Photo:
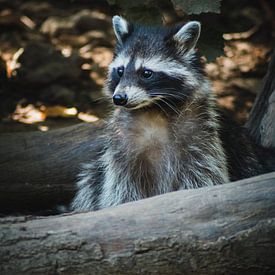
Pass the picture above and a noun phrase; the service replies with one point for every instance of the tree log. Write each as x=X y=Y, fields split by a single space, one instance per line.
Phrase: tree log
x=37 y=169
x=226 y=229
x=261 y=124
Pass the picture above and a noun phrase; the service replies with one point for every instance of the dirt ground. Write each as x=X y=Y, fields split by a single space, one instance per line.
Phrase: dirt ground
x=54 y=56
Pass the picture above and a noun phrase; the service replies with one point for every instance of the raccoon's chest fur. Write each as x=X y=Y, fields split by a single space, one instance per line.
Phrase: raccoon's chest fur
x=148 y=156
x=137 y=159
x=147 y=153
x=149 y=135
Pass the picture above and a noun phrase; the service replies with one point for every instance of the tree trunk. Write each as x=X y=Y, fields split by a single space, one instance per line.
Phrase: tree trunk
x=225 y=229
x=37 y=169
x=261 y=123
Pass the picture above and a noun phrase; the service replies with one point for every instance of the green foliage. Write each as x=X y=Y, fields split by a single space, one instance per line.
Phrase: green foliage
x=211 y=42
x=142 y=11
x=149 y=12
x=145 y=15
x=198 y=6
x=188 y=6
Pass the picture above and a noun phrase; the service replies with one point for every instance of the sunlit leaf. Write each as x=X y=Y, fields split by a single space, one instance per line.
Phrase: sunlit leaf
x=145 y=12
x=198 y=6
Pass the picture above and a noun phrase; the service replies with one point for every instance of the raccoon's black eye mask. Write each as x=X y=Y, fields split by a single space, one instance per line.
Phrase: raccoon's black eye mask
x=146 y=73
x=120 y=71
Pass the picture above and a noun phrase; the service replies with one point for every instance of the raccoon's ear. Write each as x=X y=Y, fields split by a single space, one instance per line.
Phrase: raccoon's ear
x=121 y=27
x=188 y=35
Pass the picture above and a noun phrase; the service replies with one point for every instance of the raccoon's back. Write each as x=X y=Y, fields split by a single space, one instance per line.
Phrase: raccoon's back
x=245 y=158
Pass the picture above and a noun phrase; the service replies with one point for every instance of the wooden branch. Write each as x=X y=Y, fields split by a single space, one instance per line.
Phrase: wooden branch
x=37 y=169
x=261 y=120
x=228 y=229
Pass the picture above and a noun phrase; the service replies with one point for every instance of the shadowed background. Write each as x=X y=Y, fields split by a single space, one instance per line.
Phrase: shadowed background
x=54 y=55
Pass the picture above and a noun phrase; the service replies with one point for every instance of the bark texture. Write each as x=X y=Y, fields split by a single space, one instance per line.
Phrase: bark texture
x=228 y=229
x=261 y=120
x=37 y=169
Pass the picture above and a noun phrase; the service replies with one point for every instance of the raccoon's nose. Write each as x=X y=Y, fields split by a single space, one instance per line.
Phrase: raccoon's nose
x=120 y=99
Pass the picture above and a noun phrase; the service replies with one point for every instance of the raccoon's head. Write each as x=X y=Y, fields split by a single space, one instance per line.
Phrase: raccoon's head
x=153 y=65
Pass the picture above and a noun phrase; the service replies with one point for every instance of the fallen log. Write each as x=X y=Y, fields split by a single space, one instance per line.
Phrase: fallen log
x=261 y=124
x=226 y=229
x=38 y=170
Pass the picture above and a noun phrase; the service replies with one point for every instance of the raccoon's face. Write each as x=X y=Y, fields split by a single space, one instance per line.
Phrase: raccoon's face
x=153 y=65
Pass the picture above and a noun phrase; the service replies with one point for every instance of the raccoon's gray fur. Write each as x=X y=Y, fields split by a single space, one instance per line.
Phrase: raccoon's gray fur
x=167 y=134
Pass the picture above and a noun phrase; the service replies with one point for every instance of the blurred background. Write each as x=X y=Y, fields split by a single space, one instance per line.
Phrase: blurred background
x=54 y=54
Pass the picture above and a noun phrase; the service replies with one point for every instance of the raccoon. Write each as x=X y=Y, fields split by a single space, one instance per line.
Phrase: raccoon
x=166 y=133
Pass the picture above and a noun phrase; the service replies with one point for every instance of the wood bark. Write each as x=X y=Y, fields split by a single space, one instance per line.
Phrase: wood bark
x=226 y=229
x=261 y=120
x=37 y=169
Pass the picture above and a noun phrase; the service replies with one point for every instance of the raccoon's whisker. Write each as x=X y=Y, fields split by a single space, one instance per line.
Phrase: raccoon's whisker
x=170 y=106
x=102 y=98
x=179 y=112
x=175 y=93
x=163 y=96
x=154 y=102
x=170 y=95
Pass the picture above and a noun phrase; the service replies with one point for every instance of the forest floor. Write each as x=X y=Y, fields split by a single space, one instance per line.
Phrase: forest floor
x=54 y=56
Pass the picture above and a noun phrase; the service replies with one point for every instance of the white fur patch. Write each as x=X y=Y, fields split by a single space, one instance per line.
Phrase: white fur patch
x=188 y=35
x=135 y=95
x=116 y=189
x=185 y=32
x=168 y=66
x=151 y=131
x=120 y=61
x=120 y=26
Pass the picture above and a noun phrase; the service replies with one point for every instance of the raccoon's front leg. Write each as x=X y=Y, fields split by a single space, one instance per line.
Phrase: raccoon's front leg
x=88 y=188
x=118 y=187
x=207 y=171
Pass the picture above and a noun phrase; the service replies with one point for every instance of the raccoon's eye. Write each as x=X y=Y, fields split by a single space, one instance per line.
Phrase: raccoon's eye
x=145 y=73
x=120 y=71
